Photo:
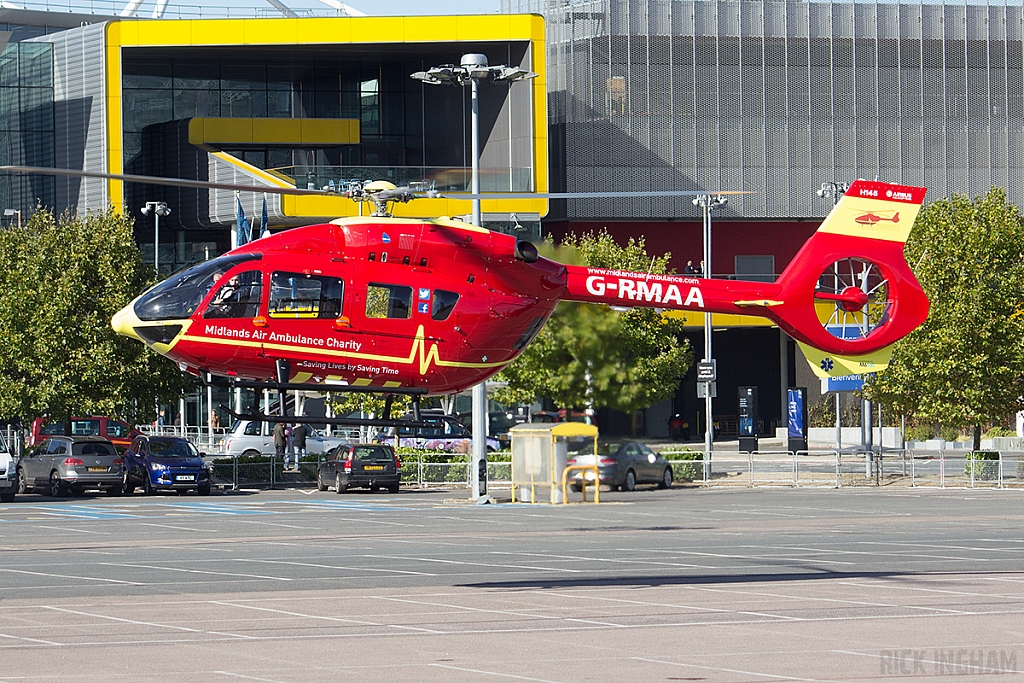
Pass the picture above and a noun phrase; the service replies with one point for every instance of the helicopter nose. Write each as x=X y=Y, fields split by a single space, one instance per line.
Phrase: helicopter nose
x=125 y=321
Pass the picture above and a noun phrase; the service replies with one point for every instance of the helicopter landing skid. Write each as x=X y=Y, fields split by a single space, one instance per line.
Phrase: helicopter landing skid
x=334 y=421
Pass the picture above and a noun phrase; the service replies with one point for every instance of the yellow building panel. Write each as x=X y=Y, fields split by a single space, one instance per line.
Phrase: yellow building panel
x=333 y=30
x=329 y=131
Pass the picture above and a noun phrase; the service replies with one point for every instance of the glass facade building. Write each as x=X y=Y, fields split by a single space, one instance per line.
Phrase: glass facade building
x=26 y=123
x=776 y=97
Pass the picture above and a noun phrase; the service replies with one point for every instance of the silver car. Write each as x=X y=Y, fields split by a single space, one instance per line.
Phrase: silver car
x=620 y=465
x=63 y=465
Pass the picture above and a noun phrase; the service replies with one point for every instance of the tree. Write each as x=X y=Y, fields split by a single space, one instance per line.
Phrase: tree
x=590 y=354
x=963 y=367
x=61 y=281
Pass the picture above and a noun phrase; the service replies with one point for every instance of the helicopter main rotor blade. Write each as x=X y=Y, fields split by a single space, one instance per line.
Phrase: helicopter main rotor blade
x=173 y=182
x=641 y=194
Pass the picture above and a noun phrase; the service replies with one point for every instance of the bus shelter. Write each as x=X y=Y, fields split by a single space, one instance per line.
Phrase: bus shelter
x=539 y=454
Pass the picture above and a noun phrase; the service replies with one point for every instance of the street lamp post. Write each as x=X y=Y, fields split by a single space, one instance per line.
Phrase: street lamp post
x=13 y=212
x=158 y=209
x=473 y=68
x=834 y=190
x=708 y=203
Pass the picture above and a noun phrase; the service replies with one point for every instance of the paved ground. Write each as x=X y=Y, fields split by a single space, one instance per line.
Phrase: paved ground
x=686 y=584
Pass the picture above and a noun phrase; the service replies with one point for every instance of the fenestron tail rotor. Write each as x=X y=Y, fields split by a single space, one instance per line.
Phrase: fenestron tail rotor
x=860 y=297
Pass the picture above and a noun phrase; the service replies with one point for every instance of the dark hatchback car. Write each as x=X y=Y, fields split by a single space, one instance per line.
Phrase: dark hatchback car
x=165 y=463
x=360 y=465
x=62 y=465
x=620 y=464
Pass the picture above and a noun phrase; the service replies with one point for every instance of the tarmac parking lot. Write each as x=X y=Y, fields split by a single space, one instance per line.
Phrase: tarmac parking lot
x=771 y=584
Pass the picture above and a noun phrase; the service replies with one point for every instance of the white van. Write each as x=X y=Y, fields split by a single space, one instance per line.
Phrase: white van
x=257 y=438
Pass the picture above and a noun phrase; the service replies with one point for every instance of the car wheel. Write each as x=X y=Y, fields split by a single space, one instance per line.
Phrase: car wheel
x=115 y=490
x=393 y=488
x=320 y=485
x=147 y=485
x=22 y=484
x=666 y=479
x=576 y=487
x=203 y=491
x=58 y=489
x=127 y=486
x=630 y=483
x=338 y=486
x=7 y=496
x=250 y=453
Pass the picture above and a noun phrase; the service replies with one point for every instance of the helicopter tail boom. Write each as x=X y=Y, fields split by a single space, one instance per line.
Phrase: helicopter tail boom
x=848 y=293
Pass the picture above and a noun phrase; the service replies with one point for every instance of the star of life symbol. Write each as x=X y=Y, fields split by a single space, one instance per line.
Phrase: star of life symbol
x=827 y=364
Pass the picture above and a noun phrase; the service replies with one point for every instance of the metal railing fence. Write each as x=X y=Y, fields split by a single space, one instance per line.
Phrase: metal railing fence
x=910 y=467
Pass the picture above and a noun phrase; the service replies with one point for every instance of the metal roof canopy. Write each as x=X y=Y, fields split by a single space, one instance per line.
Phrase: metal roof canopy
x=564 y=429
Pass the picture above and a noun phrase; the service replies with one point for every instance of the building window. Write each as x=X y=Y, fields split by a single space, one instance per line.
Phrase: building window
x=756 y=268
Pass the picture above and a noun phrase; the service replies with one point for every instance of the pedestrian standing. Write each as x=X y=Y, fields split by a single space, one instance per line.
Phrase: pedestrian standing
x=291 y=450
x=279 y=439
x=299 y=443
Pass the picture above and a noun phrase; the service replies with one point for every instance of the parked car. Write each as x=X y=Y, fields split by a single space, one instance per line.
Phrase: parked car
x=257 y=438
x=117 y=432
x=8 y=473
x=621 y=464
x=165 y=463
x=62 y=465
x=365 y=465
x=442 y=433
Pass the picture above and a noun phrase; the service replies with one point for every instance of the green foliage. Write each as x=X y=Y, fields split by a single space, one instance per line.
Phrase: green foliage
x=692 y=468
x=371 y=404
x=984 y=464
x=61 y=281
x=964 y=365
x=919 y=433
x=589 y=354
x=998 y=431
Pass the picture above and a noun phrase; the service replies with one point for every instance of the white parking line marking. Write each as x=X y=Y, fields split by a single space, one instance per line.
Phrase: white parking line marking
x=180 y=528
x=327 y=566
x=143 y=623
x=65 y=576
x=195 y=571
x=492 y=673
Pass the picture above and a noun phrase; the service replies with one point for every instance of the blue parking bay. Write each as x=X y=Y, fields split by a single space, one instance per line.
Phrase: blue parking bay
x=80 y=511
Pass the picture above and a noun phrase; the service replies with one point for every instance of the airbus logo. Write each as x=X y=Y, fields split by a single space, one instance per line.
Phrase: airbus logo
x=651 y=291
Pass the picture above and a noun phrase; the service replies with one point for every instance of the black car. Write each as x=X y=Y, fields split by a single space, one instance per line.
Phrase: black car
x=165 y=463
x=363 y=465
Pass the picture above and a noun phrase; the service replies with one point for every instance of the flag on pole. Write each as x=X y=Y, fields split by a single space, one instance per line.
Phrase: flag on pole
x=265 y=231
x=242 y=224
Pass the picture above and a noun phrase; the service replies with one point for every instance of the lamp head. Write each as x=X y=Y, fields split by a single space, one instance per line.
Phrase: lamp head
x=10 y=212
x=146 y=209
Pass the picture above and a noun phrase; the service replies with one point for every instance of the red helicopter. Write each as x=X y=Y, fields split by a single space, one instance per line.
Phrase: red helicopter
x=435 y=306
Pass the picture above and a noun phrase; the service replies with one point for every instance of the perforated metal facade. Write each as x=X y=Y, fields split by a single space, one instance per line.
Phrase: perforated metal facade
x=777 y=97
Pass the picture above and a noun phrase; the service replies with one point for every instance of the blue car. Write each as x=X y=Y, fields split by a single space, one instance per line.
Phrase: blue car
x=165 y=463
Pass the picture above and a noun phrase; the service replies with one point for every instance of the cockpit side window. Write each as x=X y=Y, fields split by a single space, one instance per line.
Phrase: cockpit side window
x=239 y=297
x=180 y=295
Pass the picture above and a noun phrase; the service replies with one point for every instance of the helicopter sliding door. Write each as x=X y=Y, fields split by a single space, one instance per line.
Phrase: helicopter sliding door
x=305 y=324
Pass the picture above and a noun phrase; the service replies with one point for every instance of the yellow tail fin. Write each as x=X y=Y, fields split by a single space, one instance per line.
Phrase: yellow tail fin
x=831 y=365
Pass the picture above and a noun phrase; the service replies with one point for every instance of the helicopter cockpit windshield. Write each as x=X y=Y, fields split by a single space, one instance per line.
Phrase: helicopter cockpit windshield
x=180 y=295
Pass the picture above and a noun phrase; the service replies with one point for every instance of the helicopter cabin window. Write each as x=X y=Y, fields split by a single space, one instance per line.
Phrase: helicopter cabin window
x=296 y=295
x=443 y=304
x=239 y=297
x=388 y=301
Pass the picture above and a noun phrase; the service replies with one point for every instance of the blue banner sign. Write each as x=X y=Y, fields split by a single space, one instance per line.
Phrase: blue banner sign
x=842 y=383
x=796 y=414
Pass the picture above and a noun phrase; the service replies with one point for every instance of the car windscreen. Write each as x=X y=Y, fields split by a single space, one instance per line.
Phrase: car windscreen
x=171 y=449
x=372 y=454
x=93 y=449
x=180 y=295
